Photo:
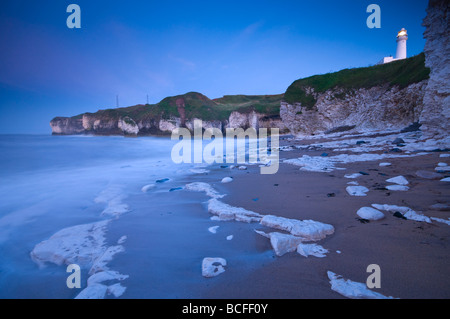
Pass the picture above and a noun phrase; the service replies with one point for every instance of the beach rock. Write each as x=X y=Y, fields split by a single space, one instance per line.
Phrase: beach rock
x=242 y=168
x=399 y=215
x=401 y=188
x=442 y=164
x=227 y=180
x=384 y=164
x=357 y=190
x=405 y=211
x=282 y=243
x=400 y=180
x=428 y=174
x=230 y=237
x=175 y=189
x=447 y=179
x=370 y=213
x=307 y=229
x=442 y=169
x=398 y=140
x=213 y=266
x=355 y=175
x=311 y=250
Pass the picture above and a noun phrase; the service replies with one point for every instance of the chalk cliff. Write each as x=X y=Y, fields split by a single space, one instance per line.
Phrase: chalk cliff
x=435 y=115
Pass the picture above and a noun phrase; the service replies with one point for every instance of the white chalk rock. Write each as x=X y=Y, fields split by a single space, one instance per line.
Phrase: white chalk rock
x=385 y=164
x=311 y=250
x=442 y=164
x=230 y=237
x=226 y=212
x=307 y=229
x=444 y=155
x=370 y=213
x=102 y=276
x=242 y=168
x=399 y=180
x=355 y=175
x=397 y=188
x=357 y=190
x=352 y=289
x=443 y=168
x=212 y=267
x=227 y=180
x=447 y=179
x=282 y=243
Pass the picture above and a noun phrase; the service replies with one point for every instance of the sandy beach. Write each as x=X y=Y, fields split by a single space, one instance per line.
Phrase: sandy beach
x=413 y=255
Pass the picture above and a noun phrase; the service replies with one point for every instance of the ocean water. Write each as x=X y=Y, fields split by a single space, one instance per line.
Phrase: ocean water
x=49 y=183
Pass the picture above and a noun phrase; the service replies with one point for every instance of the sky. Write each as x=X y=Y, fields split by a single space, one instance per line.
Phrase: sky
x=138 y=49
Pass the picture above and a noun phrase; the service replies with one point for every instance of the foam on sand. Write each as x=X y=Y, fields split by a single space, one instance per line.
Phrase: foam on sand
x=311 y=250
x=405 y=211
x=225 y=212
x=213 y=266
x=352 y=289
x=306 y=229
x=328 y=164
x=204 y=187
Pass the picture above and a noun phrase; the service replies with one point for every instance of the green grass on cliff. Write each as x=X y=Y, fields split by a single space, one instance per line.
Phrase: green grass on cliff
x=197 y=106
x=401 y=73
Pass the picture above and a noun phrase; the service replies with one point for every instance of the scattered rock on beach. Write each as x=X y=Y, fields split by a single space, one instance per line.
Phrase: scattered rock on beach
x=227 y=179
x=311 y=250
x=428 y=174
x=213 y=266
x=357 y=190
x=370 y=213
x=399 y=180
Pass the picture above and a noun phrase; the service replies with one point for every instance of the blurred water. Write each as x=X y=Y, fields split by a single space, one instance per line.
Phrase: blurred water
x=52 y=182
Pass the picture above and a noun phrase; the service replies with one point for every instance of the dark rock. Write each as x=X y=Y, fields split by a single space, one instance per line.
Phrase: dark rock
x=398 y=141
x=331 y=194
x=360 y=142
x=159 y=181
x=399 y=215
x=324 y=154
x=412 y=128
x=395 y=150
x=175 y=189
x=364 y=173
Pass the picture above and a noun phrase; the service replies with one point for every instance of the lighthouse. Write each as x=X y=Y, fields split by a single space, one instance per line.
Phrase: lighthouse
x=402 y=36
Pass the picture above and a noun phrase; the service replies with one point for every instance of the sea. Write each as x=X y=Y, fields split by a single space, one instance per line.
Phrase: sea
x=50 y=183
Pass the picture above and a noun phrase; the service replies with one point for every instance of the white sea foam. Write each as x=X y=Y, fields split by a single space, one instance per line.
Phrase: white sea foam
x=226 y=212
x=204 y=187
x=352 y=289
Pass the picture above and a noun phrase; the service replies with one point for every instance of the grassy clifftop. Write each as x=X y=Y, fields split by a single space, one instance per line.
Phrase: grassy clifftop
x=401 y=73
x=199 y=106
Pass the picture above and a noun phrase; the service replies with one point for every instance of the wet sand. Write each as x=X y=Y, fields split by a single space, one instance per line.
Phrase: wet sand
x=414 y=257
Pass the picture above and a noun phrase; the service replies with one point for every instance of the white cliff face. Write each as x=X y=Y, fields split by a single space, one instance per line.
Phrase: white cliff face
x=380 y=107
x=435 y=116
x=128 y=126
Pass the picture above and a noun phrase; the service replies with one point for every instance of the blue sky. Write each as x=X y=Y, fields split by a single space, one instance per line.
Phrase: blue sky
x=164 y=48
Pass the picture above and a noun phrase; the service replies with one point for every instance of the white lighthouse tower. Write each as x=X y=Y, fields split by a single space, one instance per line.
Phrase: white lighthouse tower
x=402 y=36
